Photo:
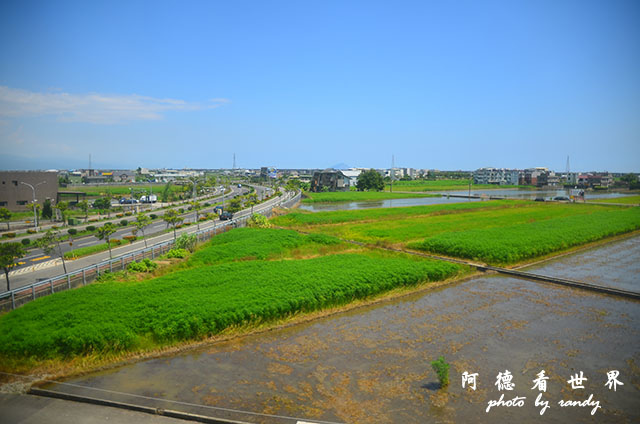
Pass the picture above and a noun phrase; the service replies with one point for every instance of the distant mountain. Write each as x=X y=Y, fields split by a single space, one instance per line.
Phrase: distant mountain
x=341 y=165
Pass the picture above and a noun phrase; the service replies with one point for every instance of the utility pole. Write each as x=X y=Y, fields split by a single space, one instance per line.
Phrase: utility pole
x=35 y=214
x=393 y=170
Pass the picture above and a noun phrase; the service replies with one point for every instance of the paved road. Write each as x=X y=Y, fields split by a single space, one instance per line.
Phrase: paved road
x=36 y=258
x=53 y=267
x=29 y=409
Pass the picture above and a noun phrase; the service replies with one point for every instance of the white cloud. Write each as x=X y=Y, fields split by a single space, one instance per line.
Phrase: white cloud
x=92 y=107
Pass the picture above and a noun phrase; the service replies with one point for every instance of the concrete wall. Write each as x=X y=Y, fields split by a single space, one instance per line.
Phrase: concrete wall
x=15 y=196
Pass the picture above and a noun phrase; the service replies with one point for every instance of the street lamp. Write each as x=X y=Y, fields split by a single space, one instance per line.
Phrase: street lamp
x=35 y=214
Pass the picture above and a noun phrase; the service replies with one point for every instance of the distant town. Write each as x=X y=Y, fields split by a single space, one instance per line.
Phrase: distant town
x=19 y=188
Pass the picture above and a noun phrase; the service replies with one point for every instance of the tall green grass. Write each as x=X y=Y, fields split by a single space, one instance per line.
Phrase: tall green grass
x=511 y=243
x=199 y=302
x=303 y=219
x=255 y=243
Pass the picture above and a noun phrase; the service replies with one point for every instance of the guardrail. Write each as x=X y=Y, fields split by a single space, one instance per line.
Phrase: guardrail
x=19 y=296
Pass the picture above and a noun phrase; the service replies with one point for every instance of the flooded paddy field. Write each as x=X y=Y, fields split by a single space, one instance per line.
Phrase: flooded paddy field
x=389 y=203
x=524 y=194
x=372 y=364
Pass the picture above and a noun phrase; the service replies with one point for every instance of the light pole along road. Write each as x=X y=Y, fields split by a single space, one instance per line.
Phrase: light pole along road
x=24 y=277
x=35 y=214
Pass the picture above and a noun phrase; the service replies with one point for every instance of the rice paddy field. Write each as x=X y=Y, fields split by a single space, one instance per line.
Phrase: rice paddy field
x=359 y=196
x=627 y=200
x=243 y=277
x=496 y=232
x=440 y=185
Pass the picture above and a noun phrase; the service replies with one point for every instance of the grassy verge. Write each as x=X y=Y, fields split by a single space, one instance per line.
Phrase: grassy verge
x=90 y=250
x=626 y=200
x=359 y=196
x=218 y=288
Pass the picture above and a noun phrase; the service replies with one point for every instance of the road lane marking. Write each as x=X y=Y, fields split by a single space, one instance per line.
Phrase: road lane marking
x=41 y=258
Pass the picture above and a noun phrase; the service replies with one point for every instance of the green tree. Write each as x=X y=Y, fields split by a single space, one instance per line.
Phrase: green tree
x=166 y=192
x=104 y=233
x=235 y=205
x=259 y=221
x=141 y=222
x=47 y=210
x=103 y=204
x=49 y=242
x=172 y=219
x=5 y=216
x=84 y=207
x=9 y=255
x=196 y=206
x=62 y=208
x=370 y=180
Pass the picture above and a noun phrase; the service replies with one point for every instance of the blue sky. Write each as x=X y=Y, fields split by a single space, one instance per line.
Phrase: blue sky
x=445 y=85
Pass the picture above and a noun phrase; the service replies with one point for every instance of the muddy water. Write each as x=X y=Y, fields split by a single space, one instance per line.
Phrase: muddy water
x=371 y=365
x=615 y=265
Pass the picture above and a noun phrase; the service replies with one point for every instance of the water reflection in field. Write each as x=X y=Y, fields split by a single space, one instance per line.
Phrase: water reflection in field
x=372 y=365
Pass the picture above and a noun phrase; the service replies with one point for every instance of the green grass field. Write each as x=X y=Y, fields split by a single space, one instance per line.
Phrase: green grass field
x=442 y=185
x=119 y=190
x=359 y=196
x=497 y=232
x=219 y=288
x=626 y=200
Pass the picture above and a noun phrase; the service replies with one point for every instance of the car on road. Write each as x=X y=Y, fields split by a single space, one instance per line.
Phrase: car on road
x=561 y=199
x=225 y=216
x=124 y=201
x=218 y=210
x=539 y=199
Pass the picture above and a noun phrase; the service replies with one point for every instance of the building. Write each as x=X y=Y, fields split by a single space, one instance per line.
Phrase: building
x=498 y=176
x=534 y=176
x=352 y=176
x=329 y=180
x=16 y=194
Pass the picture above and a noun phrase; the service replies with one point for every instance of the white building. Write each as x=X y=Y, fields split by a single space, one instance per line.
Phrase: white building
x=498 y=176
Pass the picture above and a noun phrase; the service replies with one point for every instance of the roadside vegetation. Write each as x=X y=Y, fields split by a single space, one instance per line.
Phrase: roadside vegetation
x=244 y=277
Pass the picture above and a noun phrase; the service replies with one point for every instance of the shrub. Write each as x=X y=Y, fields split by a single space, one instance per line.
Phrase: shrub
x=31 y=231
x=25 y=242
x=177 y=253
x=117 y=242
x=207 y=204
x=441 y=368
x=186 y=242
x=124 y=222
x=128 y=213
x=91 y=227
x=72 y=231
x=93 y=220
x=153 y=216
x=9 y=235
x=181 y=210
x=146 y=265
x=259 y=221
x=130 y=239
